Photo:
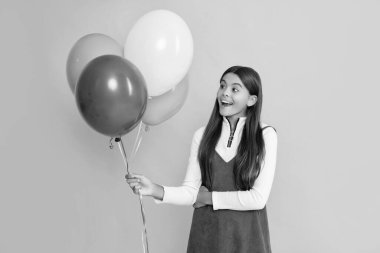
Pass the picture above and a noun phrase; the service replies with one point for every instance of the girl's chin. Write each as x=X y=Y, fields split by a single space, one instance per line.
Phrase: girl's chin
x=225 y=113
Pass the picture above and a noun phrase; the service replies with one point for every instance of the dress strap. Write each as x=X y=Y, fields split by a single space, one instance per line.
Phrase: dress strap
x=269 y=126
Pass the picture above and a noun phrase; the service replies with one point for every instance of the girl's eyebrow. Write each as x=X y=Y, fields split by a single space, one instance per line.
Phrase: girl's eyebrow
x=237 y=84
x=232 y=84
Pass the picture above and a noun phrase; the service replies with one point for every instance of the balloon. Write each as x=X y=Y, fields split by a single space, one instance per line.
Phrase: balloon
x=86 y=49
x=160 y=44
x=163 y=107
x=111 y=95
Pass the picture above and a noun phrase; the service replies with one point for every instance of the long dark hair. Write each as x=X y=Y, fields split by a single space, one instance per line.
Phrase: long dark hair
x=251 y=150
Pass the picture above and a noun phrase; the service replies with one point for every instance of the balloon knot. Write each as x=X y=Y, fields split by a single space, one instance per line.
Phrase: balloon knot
x=111 y=145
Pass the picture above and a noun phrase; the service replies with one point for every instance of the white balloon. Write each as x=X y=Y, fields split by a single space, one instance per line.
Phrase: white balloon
x=160 y=44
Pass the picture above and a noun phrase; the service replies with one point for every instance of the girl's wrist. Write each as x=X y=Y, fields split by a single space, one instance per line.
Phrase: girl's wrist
x=158 y=192
x=209 y=198
x=206 y=198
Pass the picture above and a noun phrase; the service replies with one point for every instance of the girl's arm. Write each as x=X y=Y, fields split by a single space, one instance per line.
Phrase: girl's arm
x=185 y=194
x=257 y=197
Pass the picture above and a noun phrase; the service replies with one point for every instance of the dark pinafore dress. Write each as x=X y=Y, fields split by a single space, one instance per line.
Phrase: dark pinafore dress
x=228 y=231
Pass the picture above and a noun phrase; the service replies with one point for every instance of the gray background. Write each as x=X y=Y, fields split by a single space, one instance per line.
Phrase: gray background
x=63 y=190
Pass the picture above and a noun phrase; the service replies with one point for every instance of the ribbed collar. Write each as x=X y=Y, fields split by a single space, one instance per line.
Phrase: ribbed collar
x=239 y=126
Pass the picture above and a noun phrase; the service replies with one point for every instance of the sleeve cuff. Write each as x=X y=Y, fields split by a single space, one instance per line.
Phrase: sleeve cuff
x=215 y=201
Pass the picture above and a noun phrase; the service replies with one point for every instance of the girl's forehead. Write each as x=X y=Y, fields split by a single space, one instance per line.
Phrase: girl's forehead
x=231 y=78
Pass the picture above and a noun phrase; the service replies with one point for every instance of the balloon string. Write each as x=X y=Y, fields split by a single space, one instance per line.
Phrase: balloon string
x=142 y=241
x=138 y=139
x=111 y=145
x=144 y=222
x=122 y=151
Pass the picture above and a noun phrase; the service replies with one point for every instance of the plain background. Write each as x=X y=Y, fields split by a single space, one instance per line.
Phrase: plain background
x=63 y=190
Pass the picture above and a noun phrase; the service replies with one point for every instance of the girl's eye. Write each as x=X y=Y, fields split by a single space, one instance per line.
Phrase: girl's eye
x=222 y=86
x=235 y=89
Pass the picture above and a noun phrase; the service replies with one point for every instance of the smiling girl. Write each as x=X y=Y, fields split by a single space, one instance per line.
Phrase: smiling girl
x=230 y=172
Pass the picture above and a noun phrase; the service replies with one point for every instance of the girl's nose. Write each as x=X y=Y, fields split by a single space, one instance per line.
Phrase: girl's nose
x=226 y=93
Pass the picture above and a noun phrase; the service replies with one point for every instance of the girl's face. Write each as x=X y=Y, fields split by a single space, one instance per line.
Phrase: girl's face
x=233 y=97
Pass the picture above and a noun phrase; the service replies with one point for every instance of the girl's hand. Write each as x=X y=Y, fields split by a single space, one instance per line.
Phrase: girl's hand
x=204 y=198
x=142 y=185
x=139 y=184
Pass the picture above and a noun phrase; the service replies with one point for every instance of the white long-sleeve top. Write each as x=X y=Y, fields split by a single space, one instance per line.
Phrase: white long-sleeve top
x=253 y=199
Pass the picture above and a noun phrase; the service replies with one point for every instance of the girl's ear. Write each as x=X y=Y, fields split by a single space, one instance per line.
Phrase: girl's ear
x=252 y=99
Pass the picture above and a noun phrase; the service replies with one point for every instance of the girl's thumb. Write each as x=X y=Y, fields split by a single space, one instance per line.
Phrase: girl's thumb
x=130 y=175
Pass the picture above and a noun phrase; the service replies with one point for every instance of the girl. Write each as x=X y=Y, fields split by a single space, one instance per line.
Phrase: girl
x=230 y=172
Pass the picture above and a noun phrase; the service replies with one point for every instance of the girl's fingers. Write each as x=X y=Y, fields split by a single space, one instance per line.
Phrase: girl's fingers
x=137 y=182
x=133 y=180
x=130 y=176
x=203 y=188
x=136 y=189
x=141 y=177
x=134 y=184
x=134 y=176
x=198 y=205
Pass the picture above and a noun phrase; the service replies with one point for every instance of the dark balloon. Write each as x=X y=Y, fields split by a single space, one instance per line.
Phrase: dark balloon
x=111 y=95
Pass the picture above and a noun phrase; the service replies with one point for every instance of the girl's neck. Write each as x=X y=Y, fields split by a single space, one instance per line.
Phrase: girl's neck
x=233 y=122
